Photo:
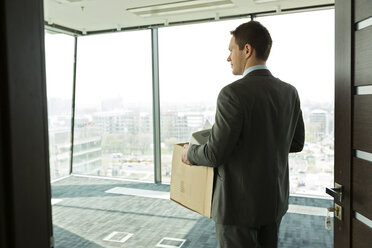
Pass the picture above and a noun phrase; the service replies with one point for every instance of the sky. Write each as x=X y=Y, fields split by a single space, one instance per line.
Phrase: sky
x=193 y=63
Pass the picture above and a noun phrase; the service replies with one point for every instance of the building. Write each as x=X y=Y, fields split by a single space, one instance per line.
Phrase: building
x=87 y=154
x=319 y=123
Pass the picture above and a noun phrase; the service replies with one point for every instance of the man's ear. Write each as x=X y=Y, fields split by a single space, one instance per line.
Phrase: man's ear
x=248 y=50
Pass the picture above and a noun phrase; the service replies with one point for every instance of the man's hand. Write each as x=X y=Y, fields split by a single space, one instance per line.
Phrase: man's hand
x=184 y=154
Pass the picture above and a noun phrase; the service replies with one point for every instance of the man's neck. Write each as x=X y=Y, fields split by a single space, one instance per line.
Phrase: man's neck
x=253 y=63
x=253 y=68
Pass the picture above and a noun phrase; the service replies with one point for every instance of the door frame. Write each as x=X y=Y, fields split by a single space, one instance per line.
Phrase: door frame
x=25 y=198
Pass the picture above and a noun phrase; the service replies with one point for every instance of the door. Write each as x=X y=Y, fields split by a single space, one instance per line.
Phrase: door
x=353 y=123
x=25 y=210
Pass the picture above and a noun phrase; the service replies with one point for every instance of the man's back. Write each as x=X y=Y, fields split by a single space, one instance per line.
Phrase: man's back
x=253 y=132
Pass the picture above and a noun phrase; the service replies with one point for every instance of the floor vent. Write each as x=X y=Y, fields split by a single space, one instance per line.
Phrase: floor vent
x=119 y=237
x=171 y=242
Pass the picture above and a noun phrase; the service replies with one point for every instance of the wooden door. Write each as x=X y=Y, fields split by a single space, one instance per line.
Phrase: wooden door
x=353 y=122
x=25 y=207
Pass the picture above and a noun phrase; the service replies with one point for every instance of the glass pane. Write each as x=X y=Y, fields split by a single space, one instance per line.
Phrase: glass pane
x=303 y=55
x=193 y=69
x=59 y=58
x=113 y=123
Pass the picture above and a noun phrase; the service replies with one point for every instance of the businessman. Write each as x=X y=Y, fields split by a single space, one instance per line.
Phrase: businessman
x=258 y=123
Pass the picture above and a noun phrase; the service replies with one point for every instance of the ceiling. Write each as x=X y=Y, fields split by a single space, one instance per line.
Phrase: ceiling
x=92 y=16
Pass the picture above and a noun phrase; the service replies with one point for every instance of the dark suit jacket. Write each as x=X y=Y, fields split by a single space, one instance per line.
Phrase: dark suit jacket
x=258 y=122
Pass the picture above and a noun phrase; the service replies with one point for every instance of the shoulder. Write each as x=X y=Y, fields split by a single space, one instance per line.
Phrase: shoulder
x=289 y=87
x=230 y=94
x=231 y=90
x=289 y=90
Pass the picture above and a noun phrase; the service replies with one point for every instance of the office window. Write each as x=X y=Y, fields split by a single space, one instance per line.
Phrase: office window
x=59 y=57
x=113 y=120
x=303 y=55
x=193 y=69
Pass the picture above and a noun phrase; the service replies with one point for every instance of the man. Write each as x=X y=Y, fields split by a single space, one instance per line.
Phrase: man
x=258 y=122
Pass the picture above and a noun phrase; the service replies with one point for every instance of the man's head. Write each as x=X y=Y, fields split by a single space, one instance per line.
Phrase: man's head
x=250 y=45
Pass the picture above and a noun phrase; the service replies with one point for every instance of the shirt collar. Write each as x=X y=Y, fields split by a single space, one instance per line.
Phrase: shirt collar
x=253 y=68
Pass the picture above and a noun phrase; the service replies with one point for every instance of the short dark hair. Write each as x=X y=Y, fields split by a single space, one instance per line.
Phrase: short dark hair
x=255 y=34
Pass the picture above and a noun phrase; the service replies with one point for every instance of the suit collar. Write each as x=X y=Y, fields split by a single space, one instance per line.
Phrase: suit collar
x=260 y=72
x=253 y=68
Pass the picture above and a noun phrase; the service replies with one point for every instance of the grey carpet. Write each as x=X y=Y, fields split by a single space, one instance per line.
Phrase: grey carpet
x=87 y=215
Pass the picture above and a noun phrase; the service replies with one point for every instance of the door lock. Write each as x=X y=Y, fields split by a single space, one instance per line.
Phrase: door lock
x=337 y=211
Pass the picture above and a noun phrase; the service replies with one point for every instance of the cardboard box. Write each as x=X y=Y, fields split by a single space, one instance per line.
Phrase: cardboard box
x=191 y=186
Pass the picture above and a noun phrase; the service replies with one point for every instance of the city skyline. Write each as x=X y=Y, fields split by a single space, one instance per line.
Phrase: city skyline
x=120 y=132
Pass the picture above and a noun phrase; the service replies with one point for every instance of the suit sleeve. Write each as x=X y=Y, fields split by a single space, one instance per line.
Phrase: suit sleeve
x=299 y=136
x=224 y=135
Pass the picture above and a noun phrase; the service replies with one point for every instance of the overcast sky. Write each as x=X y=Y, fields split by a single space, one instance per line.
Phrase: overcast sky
x=192 y=61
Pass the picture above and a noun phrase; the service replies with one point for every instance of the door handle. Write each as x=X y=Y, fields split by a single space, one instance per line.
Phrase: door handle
x=335 y=192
